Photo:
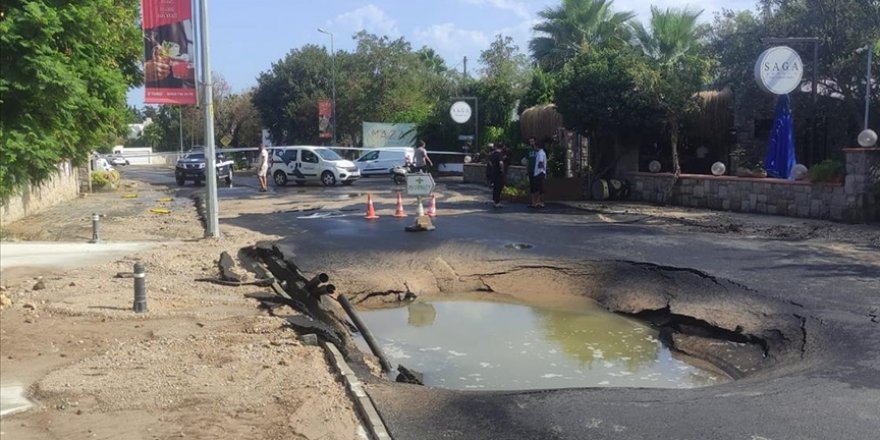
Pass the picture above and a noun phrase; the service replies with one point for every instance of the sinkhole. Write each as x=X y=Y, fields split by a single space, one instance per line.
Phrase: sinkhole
x=469 y=344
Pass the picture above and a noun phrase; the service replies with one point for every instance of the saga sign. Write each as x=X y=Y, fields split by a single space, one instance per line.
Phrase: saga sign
x=779 y=70
x=460 y=112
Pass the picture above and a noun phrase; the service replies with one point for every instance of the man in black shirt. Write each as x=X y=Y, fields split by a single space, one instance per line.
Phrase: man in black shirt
x=496 y=174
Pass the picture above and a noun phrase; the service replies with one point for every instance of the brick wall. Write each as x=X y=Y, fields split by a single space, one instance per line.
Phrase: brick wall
x=61 y=187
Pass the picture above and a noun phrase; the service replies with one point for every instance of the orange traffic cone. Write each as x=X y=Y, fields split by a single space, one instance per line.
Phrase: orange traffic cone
x=400 y=213
x=432 y=207
x=371 y=212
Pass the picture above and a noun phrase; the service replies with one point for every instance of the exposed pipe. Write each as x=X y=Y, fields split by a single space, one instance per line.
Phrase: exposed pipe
x=365 y=332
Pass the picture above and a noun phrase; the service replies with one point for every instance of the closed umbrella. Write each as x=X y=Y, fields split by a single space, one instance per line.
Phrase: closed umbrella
x=780 y=150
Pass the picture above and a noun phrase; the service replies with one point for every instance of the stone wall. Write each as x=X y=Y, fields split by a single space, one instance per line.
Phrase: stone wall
x=61 y=187
x=855 y=200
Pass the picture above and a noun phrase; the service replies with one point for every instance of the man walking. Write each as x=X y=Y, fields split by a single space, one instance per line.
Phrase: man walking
x=496 y=165
x=537 y=175
x=421 y=158
x=263 y=167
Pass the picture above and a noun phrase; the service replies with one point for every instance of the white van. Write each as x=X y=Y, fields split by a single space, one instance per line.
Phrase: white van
x=308 y=163
x=381 y=160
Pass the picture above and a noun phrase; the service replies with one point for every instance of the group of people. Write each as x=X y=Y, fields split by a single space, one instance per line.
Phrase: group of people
x=536 y=169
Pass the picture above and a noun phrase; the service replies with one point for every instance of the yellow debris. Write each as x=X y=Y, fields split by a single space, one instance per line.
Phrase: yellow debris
x=166 y=199
x=160 y=210
x=129 y=196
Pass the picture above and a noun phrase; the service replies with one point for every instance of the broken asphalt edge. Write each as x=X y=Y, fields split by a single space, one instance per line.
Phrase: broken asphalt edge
x=366 y=409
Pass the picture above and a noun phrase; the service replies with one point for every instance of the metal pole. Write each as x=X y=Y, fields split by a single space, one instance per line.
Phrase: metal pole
x=140 y=289
x=180 y=123
x=868 y=87
x=813 y=107
x=96 y=223
x=333 y=86
x=477 y=122
x=212 y=222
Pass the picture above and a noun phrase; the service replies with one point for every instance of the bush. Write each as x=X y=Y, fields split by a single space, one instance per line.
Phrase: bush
x=826 y=171
x=101 y=179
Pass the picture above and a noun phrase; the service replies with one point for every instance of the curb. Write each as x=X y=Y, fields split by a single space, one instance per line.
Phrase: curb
x=355 y=388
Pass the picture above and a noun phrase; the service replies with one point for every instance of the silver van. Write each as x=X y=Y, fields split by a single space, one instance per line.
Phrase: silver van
x=382 y=160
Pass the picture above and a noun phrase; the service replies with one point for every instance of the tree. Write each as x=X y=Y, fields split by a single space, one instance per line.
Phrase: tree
x=504 y=77
x=575 y=26
x=842 y=27
x=673 y=45
x=601 y=94
x=65 y=68
x=287 y=95
x=541 y=90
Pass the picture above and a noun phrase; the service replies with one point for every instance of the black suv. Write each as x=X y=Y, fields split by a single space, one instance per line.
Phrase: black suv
x=192 y=167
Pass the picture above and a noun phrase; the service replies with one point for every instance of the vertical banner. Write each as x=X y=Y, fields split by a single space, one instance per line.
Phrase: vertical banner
x=169 y=52
x=325 y=112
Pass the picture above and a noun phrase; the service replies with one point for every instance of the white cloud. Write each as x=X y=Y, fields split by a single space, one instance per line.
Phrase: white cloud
x=369 y=18
x=453 y=42
x=517 y=7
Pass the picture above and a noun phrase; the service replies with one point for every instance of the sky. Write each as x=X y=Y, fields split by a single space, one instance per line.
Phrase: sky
x=246 y=37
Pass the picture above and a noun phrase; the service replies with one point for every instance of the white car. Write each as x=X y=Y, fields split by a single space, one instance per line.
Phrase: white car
x=308 y=163
x=117 y=160
x=382 y=160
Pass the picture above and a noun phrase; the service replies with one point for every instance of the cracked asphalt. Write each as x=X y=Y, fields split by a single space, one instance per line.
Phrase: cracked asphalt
x=832 y=393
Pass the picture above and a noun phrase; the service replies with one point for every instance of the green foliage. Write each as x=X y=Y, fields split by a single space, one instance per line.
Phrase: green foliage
x=515 y=192
x=101 y=179
x=65 y=68
x=600 y=92
x=576 y=26
x=383 y=80
x=842 y=27
x=826 y=171
x=541 y=90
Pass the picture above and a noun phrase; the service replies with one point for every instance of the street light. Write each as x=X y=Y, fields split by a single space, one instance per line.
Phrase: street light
x=332 y=82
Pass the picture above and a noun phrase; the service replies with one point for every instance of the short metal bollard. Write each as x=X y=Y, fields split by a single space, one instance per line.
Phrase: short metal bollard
x=140 y=289
x=96 y=222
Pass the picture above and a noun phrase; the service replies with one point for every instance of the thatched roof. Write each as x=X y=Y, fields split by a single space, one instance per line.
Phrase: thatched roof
x=540 y=121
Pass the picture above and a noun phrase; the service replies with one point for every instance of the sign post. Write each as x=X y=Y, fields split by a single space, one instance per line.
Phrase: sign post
x=420 y=185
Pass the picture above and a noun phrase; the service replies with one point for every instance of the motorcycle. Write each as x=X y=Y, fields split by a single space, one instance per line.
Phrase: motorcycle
x=399 y=173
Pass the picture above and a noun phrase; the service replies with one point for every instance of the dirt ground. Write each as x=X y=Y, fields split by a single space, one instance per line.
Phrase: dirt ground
x=205 y=362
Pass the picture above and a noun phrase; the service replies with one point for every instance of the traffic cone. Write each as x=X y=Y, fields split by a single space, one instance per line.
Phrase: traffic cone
x=400 y=213
x=371 y=212
x=432 y=207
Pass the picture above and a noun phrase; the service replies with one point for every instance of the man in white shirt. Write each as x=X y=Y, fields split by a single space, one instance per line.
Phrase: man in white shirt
x=263 y=167
x=538 y=174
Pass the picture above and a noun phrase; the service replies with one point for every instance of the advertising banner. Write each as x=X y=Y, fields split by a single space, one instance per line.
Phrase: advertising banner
x=169 y=52
x=325 y=112
x=379 y=134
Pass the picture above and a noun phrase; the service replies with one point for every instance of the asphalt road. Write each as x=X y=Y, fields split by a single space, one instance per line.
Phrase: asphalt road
x=833 y=394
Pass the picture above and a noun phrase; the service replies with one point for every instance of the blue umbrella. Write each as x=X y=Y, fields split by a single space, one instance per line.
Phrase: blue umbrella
x=780 y=151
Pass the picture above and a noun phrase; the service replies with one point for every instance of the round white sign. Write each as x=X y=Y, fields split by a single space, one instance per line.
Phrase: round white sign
x=460 y=112
x=779 y=70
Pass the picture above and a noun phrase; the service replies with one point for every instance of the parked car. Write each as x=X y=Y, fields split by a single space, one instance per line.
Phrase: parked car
x=308 y=163
x=99 y=163
x=382 y=160
x=117 y=160
x=192 y=167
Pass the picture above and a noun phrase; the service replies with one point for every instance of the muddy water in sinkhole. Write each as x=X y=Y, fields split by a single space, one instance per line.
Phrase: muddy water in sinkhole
x=481 y=345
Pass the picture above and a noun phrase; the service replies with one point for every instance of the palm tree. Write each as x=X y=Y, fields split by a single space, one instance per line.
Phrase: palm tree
x=574 y=26
x=673 y=43
x=673 y=34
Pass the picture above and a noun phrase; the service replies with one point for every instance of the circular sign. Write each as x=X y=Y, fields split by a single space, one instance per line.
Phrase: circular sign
x=460 y=112
x=779 y=70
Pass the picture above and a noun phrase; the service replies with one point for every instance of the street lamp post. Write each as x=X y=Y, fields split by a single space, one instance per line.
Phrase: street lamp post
x=332 y=82
x=867 y=83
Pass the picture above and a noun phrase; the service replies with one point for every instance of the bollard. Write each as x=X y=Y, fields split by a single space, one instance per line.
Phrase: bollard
x=140 y=289
x=96 y=221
